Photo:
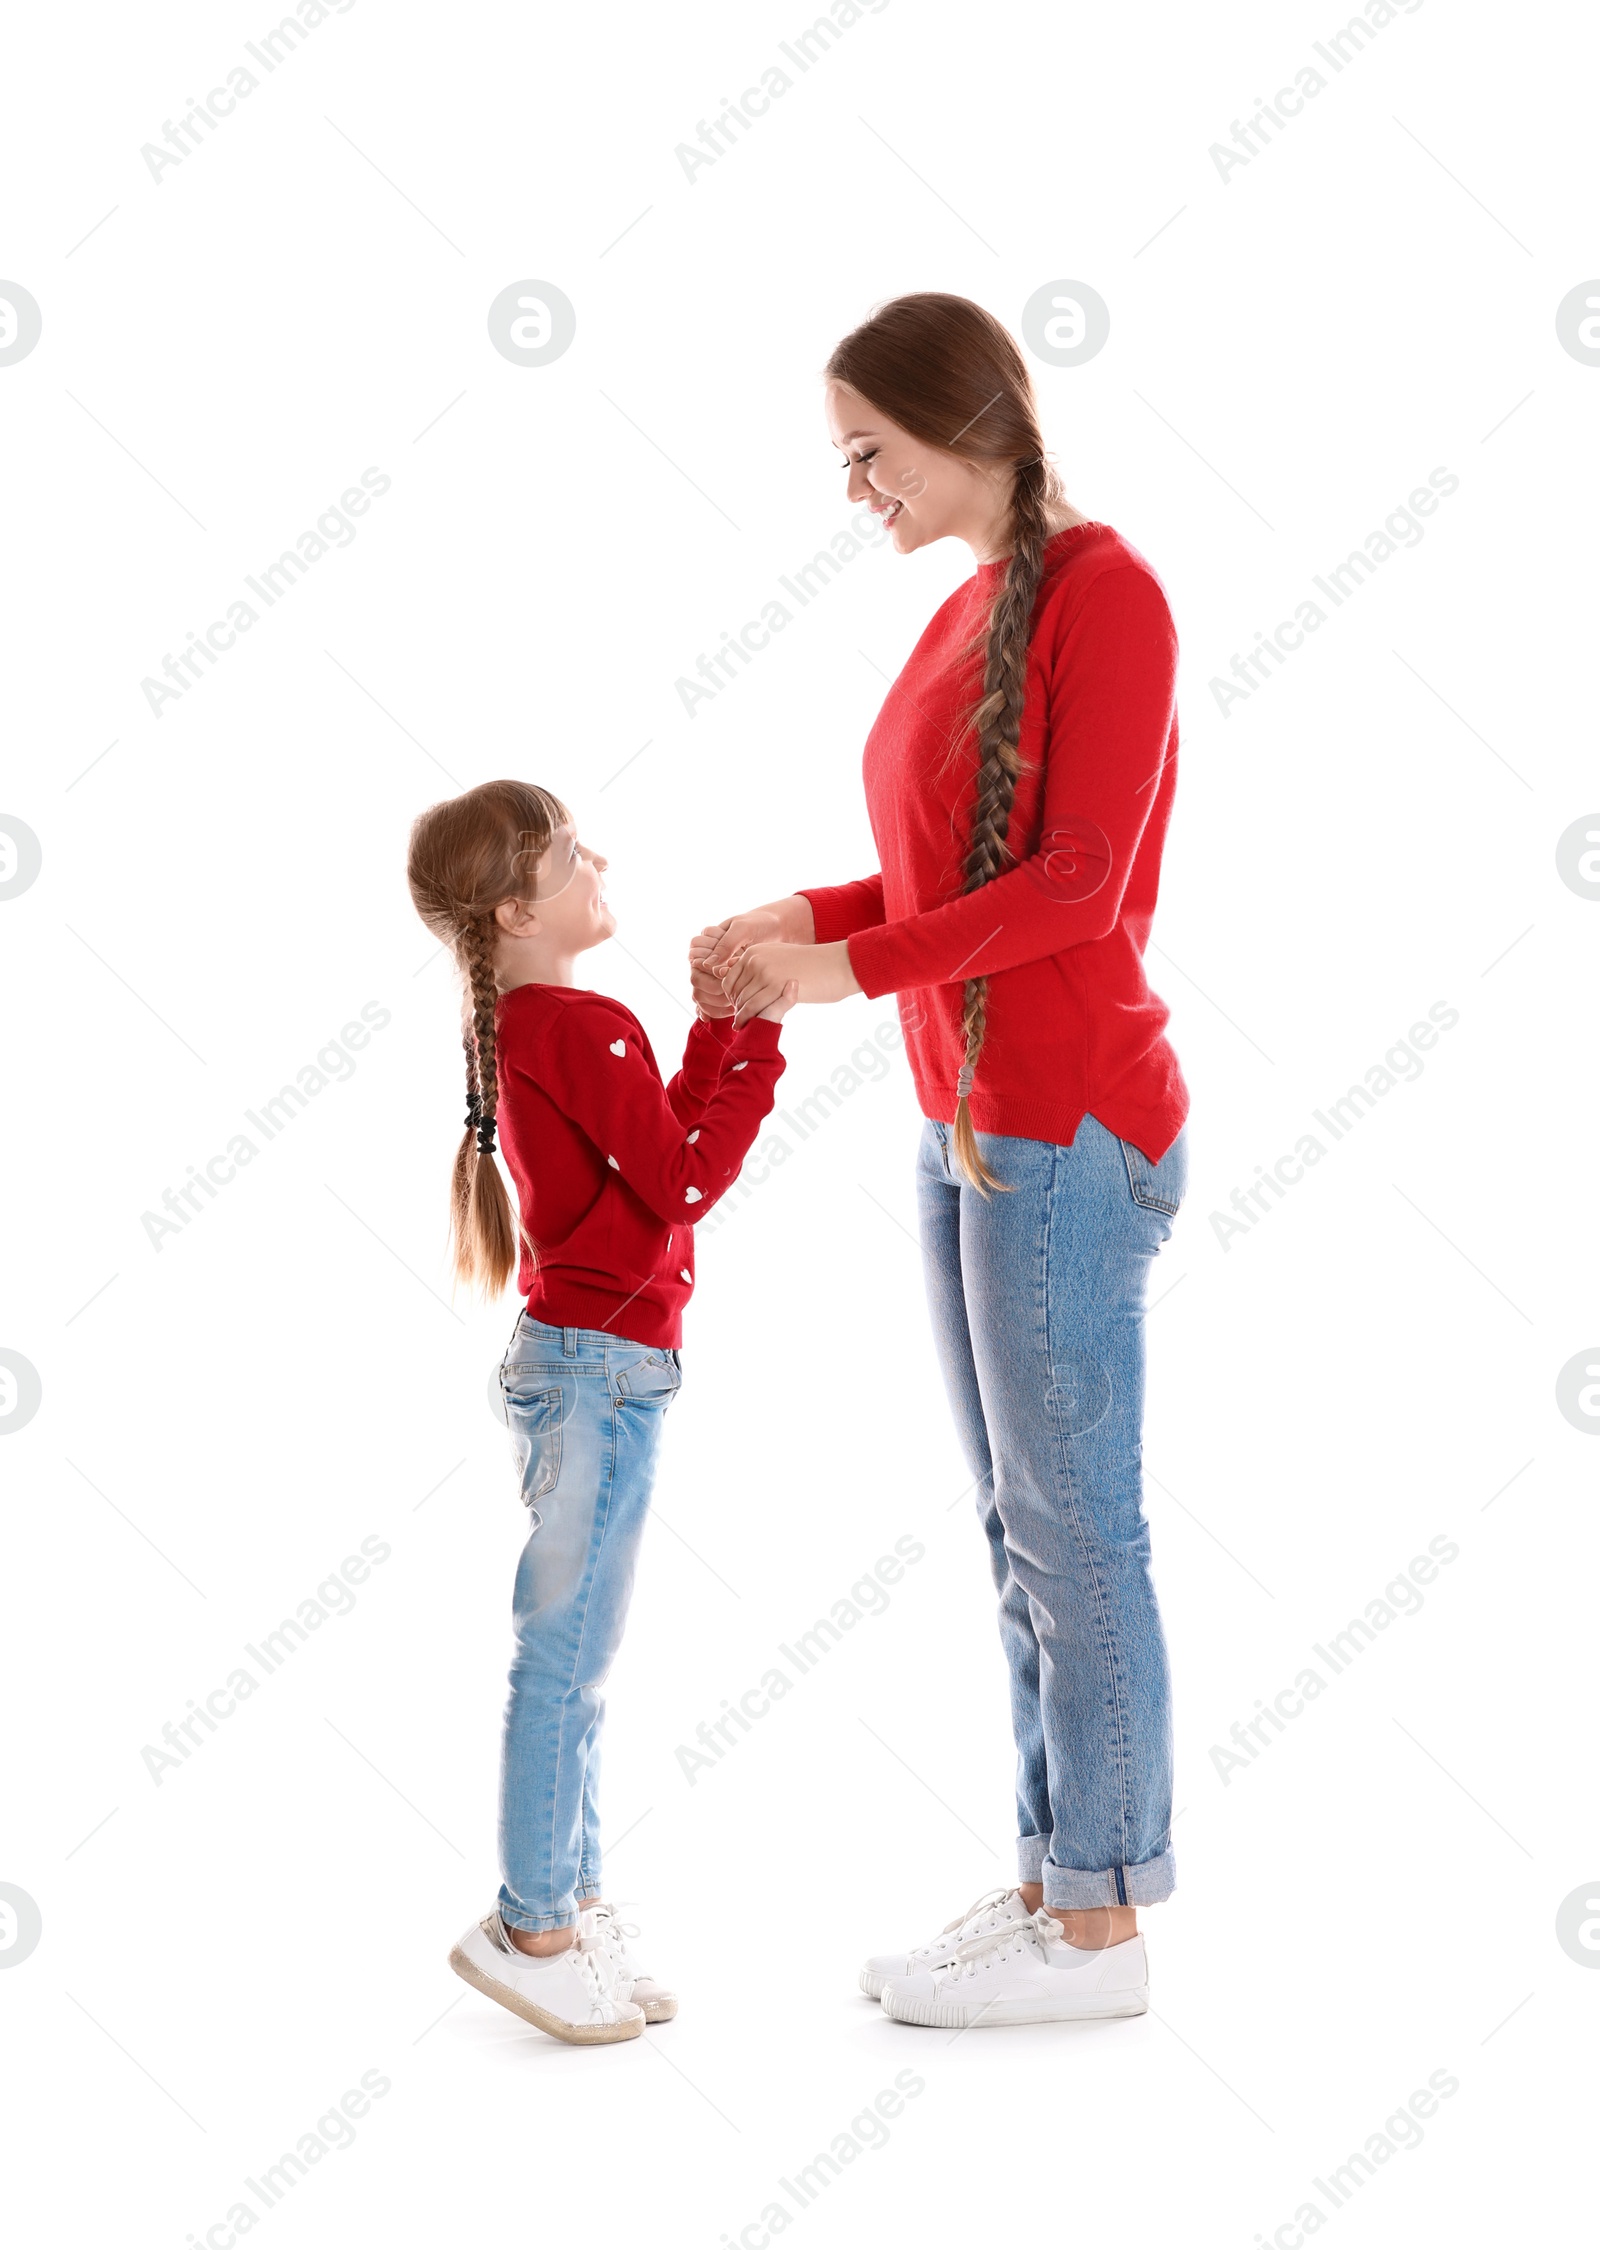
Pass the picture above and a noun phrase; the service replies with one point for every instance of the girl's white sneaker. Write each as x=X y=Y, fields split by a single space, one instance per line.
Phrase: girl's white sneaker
x=572 y=1995
x=994 y=1911
x=1024 y=1972
x=629 y=1980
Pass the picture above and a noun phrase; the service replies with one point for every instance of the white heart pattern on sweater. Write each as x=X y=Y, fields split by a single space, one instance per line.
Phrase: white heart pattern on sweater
x=691 y=1195
x=615 y=1166
x=619 y=1046
x=695 y=1135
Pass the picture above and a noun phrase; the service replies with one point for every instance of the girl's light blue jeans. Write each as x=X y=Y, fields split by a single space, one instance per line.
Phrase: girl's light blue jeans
x=1038 y=1301
x=585 y=1411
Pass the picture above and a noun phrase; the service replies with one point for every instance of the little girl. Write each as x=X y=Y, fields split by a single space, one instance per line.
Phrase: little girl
x=612 y=1170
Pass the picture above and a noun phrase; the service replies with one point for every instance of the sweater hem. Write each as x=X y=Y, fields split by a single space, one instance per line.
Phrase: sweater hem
x=1151 y=1131
x=569 y=1306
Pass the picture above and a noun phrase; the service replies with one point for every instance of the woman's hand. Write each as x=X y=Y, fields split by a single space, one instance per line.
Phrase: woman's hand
x=759 y=973
x=788 y=920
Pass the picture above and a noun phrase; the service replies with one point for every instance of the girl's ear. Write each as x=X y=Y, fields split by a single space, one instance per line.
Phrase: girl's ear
x=516 y=917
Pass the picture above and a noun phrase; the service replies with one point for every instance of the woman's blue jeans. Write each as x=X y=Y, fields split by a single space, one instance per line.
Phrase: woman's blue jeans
x=1038 y=1303
x=585 y=1411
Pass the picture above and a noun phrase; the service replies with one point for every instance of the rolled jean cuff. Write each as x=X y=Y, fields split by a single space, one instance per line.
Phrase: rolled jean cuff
x=1032 y=1852
x=518 y=1918
x=1071 y=1887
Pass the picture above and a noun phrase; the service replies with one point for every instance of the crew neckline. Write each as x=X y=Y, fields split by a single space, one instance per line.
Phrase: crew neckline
x=987 y=572
x=540 y=984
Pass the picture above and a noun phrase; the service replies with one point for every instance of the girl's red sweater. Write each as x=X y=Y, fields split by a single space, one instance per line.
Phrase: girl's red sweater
x=612 y=1169
x=1073 y=1028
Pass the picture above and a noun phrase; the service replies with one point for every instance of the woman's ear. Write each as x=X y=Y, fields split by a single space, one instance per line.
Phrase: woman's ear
x=516 y=918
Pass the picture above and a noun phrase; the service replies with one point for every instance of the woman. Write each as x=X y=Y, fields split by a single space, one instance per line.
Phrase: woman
x=1019 y=781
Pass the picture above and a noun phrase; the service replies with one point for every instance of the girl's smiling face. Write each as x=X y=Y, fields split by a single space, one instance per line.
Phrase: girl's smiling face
x=569 y=893
x=563 y=913
x=921 y=492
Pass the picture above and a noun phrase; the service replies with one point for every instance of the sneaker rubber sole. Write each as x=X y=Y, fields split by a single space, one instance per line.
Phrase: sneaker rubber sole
x=659 y=2011
x=950 y=2015
x=575 y=2034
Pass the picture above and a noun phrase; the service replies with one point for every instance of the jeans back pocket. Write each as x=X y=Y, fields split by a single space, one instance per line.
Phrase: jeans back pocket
x=1159 y=1187
x=535 y=1418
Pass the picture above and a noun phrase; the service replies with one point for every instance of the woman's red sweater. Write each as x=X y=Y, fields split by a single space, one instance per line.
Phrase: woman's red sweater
x=1073 y=1028
x=612 y=1169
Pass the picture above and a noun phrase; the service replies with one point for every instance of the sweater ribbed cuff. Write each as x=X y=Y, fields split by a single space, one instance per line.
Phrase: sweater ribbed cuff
x=872 y=959
x=828 y=918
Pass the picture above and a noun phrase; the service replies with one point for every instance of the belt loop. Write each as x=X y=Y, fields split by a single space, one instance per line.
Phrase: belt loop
x=569 y=1343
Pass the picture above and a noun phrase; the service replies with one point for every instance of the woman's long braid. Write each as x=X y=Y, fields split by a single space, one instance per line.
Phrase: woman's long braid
x=997 y=722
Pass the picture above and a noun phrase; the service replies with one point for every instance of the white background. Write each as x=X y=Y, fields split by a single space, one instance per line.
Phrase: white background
x=224 y=1418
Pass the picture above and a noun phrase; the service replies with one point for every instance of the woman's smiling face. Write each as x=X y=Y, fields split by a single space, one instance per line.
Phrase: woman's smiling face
x=921 y=492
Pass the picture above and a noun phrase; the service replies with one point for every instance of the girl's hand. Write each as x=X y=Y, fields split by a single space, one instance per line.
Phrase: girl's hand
x=709 y=997
x=781 y=1006
x=759 y=973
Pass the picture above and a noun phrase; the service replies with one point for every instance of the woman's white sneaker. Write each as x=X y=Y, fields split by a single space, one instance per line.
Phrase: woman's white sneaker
x=572 y=1995
x=994 y=1911
x=1023 y=1973
x=629 y=1980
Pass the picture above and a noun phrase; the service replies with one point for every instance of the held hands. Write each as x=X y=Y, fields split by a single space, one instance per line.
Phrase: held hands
x=756 y=973
x=762 y=962
x=711 y=952
x=776 y=1010
x=713 y=996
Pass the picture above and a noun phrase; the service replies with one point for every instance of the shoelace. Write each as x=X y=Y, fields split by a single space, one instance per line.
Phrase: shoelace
x=590 y=1960
x=980 y=1905
x=594 y=1960
x=613 y=1929
x=1034 y=1932
x=613 y=1933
